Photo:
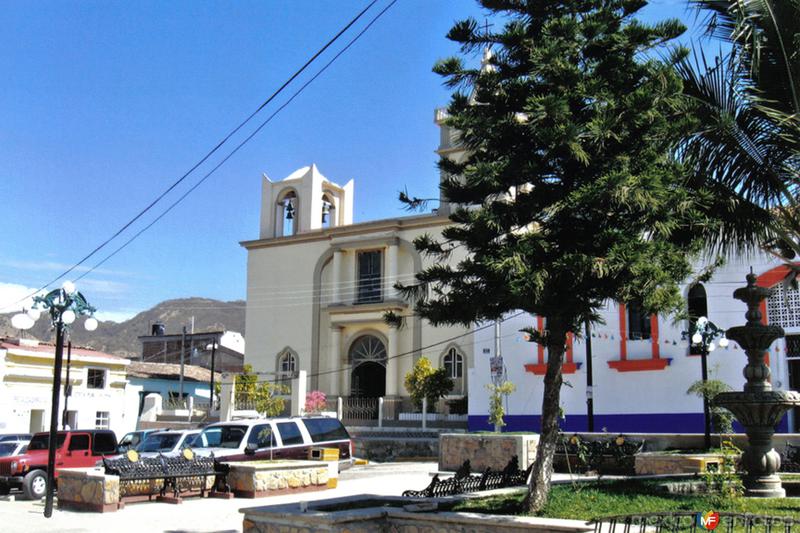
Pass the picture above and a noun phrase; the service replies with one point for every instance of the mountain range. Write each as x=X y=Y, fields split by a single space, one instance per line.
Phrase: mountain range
x=121 y=338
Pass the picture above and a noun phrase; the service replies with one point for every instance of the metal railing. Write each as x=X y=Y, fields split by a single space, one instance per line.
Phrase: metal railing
x=358 y=409
x=690 y=522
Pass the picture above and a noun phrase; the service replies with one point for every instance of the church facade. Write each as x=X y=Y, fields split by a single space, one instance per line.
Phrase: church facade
x=318 y=287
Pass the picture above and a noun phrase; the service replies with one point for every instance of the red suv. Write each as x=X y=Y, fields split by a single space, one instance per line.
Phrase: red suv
x=76 y=449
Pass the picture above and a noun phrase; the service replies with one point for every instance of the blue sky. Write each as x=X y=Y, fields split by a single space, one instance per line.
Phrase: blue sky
x=106 y=103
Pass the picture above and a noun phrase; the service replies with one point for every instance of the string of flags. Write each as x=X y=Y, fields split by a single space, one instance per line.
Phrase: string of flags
x=674 y=342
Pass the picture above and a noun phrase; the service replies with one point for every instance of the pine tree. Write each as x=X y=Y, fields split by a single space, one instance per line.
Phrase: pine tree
x=568 y=195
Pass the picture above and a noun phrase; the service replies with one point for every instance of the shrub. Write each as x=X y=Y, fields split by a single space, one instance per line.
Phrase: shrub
x=424 y=381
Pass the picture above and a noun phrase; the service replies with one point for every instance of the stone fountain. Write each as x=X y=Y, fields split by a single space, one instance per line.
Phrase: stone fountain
x=758 y=408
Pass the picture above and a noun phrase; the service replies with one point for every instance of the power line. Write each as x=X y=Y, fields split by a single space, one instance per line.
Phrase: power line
x=202 y=160
x=412 y=352
x=239 y=146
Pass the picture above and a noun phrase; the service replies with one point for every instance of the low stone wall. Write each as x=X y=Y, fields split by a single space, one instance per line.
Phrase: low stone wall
x=256 y=479
x=383 y=449
x=655 y=463
x=353 y=515
x=486 y=450
x=88 y=489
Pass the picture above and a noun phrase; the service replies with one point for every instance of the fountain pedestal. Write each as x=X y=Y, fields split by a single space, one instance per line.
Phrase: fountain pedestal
x=758 y=408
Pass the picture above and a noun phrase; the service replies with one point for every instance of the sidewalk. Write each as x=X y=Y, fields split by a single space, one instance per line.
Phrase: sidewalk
x=206 y=515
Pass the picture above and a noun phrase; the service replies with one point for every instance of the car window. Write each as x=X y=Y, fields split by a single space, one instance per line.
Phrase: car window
x=104 y=443
x=261 y=435
x=221 y=437
x=7 y=448
x=159 y=442
x=41 y=442
x=79 y=442
x=188 y=440
x=323 y=429
x=290 y=433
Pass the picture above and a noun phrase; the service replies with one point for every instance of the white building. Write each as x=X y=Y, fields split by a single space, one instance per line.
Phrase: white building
x=641 y=374
x=101 y=397
x=318 y=287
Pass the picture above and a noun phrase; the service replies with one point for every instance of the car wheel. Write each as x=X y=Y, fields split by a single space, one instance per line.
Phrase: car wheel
x=34 y=485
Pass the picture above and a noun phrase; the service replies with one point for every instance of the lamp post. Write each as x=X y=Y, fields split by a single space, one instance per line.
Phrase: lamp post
x=64 y=305
x=703 y=334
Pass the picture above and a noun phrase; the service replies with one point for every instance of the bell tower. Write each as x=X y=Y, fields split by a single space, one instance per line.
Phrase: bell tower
x=304 y=201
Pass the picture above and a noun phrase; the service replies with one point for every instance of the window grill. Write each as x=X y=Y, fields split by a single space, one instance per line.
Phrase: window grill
x=793 y=346
x=783 y=307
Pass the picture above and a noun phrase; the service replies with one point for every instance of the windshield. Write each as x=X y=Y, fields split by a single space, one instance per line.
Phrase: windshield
x=41 y=442
x=159 y=442
x=7 y=448
x=220 y=437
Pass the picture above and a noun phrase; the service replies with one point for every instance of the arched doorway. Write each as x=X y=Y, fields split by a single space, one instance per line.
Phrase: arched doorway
x=368 y=359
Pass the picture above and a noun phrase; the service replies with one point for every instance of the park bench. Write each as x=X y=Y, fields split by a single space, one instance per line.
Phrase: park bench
x=464 y=481
x=160 y=475
x=613 y=454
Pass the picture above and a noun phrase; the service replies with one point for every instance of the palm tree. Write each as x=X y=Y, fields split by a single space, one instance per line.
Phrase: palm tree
x=745 y=149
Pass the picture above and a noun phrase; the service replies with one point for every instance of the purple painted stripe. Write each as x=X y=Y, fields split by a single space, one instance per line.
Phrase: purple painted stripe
x=622 y=423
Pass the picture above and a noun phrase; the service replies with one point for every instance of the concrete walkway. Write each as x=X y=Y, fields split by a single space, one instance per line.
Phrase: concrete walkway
x=204 y=515
x=207 y=515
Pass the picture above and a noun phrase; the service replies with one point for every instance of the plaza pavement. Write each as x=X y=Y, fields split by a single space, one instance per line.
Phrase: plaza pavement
x=206 y=515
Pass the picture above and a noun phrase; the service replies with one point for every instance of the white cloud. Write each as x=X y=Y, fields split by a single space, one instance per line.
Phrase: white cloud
x=15 y=297
x=101 y=286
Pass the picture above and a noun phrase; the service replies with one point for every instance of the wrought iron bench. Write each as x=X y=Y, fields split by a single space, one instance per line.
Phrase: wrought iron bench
x=464 y=481
x=171 y=474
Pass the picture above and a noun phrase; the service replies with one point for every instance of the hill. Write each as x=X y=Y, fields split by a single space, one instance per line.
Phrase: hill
x=120 y=338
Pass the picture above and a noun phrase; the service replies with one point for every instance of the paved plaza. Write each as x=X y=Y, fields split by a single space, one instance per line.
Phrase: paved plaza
x=205 y=515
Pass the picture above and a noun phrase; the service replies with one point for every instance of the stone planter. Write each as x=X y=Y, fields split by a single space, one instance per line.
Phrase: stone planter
x=655 y=463
x=486 y=450
x=368 y=513
x=88 y=489
x=256 y=479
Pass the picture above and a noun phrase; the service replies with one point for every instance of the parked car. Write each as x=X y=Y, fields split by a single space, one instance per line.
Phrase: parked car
x=13 y=447
x=6 y=437
x=274 y=438
x=167 y=442
x=133 y=439
x=75 y=449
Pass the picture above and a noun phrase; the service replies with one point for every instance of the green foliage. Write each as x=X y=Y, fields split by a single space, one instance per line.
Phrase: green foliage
x=746 y=146
x=496 y=395
x=266 y=397
x=627 y=497
x=567 y=195
x=724 y=483
x=424 y=381
x=721 y=418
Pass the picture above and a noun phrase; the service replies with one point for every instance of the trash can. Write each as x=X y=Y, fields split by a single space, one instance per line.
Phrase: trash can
x=330 y=456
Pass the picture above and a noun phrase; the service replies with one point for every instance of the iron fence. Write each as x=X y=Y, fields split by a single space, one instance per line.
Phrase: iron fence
x=679 y=522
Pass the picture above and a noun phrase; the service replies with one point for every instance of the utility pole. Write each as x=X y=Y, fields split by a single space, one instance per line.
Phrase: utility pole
x=211 y=385
x=183 y=351
x=589 y=380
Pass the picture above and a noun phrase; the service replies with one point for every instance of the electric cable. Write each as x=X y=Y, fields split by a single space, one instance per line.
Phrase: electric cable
x=203 y=159
x=238 y=147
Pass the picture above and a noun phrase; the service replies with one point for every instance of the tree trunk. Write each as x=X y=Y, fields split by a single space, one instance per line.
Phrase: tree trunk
x=539 y=483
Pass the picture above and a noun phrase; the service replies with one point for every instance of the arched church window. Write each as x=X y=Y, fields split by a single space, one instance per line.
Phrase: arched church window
x=453 y=363
x=287 y=365
x=286 y=214
x=368 y=348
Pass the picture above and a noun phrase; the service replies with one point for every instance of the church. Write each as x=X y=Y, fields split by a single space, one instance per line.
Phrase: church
x=318 y=286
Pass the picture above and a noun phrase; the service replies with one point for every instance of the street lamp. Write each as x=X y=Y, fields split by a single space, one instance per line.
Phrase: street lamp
x=64 y=305
x=703 y=333
x=213 y=347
